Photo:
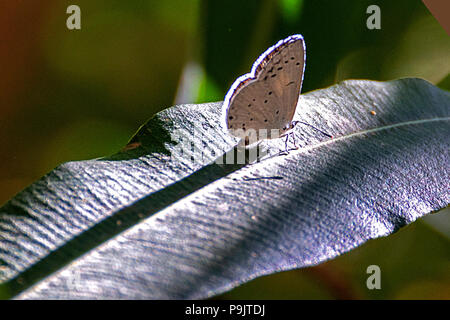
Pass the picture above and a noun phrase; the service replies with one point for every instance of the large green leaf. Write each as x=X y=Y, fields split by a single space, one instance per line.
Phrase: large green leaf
x=149 y=222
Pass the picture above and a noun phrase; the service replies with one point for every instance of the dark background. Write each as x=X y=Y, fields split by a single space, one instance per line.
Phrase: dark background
x=72 y=95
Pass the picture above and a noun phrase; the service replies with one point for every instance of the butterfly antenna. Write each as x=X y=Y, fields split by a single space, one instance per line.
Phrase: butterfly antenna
x=323 y=132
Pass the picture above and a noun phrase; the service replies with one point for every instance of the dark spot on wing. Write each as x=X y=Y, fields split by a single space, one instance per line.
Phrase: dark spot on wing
x=274 y=53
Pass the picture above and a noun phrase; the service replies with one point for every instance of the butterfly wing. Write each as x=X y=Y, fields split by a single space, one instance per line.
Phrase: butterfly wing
x=267 y=97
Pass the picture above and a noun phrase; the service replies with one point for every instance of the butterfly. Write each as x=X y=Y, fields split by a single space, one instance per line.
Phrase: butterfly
x=261 y=104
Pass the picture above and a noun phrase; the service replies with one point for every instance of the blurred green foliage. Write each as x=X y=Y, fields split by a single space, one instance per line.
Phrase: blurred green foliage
x=72 y=95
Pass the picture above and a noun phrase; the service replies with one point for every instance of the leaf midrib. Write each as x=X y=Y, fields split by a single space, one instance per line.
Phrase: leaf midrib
x=360 y=133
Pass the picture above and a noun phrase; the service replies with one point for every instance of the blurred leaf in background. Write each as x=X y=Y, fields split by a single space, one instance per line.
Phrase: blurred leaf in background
x=71 y=95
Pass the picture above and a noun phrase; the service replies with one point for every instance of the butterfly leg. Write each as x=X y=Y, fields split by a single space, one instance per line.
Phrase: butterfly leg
x=293 y=138
x=286 y=150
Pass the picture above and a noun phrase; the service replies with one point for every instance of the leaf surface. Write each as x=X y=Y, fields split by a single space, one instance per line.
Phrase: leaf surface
x=151 y=223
